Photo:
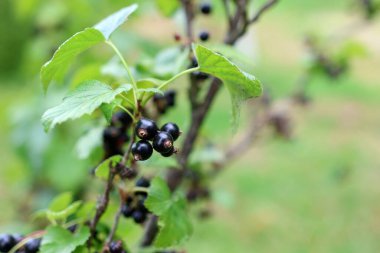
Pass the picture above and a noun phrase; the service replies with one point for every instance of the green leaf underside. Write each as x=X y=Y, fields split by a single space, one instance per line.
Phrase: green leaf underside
x=79 y=42
x=175 y=226
x=102 y=170
x=60 y=240
x=83 y=100
x=240 y=84
x=65 y=54
x=108 y=25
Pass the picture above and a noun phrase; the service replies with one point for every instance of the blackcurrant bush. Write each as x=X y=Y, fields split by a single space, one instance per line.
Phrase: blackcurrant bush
x=146 y=129
x=142 y=150
x=139 y=216
x=206 y=8
x=203 y=36
x=116 y=247
x=33 y=245
x=172 y=129
x=7 y=242
x=127 y=210
x=163 y=142
x=121 y=119
x=143 y=182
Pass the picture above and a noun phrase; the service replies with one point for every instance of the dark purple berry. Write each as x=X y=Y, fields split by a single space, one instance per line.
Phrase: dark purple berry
x=170 y=96
x=172 y=129
x=169 y=153
x=33 y=245
x=121 y=119
x=161 y=102
x=116 y=247
x=127 y=210
x=139 y=216
x=146 y=129
x=143 y=182
x=142 y=150
x=203 y=36
x=163 y=142
x=206 y=8
x=7 y=242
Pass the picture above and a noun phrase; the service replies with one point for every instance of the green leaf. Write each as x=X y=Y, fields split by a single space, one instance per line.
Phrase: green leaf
x=89 y=142
x=166 y=7
x=102 y=170
x=63 y=214
x=240 y=84
x=60 y=240
x=107 y=109
x=108 y=25
x=83 y=100
x=60 y=202
x=175 y=226
x=65 y=54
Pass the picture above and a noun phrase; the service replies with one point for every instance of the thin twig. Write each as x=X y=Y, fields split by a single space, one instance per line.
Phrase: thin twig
x=261 y=11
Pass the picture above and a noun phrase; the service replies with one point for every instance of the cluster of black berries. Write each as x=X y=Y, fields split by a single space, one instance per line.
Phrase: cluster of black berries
x=164 y=101
x=115 y=136
x=162 y=139
x=206 y=9
x=7 y=242
x=134 y=205
x=116 y=247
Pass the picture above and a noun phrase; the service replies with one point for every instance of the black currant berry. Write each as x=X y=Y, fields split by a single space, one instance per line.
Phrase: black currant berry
x=121 y=119
x=172 y=129
x=142 y=150
x=206 y=8
x=146 y=129
x=7 y=242
x=163 y=142
x=161 y=102
x=143 y=182
x=33 y=245
x=127 y=210
x=170 y=96
x=139 y=216
x=116 y=247
x=200 y=76
x=169 y=153
x=203 y=36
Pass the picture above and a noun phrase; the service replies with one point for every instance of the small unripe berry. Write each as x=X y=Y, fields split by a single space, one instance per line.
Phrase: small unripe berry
x=172 y=129
x=177 y=37
x=146 y=129
x=206 y=8
x=163 y=142
x=142 y=150
x=203 y=36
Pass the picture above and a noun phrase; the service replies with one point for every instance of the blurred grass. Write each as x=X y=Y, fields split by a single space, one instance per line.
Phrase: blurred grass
x=316 y=193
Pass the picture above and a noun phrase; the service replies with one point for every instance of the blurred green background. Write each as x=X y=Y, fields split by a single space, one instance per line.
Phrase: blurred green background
x=318 y=192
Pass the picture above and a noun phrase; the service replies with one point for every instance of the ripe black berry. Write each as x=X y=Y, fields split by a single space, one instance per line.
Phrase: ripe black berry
x=203 y=36
x=161 y=103
x=200 y=76
x=121 y=119
x=127 y=210
x=206 y=8
x=142 y=150
x=169 y=153
x=33 y=245
x=172 y=129
x=163 y=142
x=139 y=216
x=7 y=242
x=116 y=247
x=146 y=129
x=143 y=182
x=170 y=96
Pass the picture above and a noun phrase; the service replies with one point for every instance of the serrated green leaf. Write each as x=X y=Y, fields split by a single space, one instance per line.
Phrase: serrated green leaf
x=102 y=170
x=108 y=25
x=65 y=54
x=159 y=197
x=240 y=84
x=60 y=202
x=107 y=109
x=166 y=7
x=175 y=226
x=60 y=240
x=83 y=100
x=65 y=213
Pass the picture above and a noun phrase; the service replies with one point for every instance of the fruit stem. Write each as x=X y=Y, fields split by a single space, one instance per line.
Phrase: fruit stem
x=127 y=111
x=118 y=53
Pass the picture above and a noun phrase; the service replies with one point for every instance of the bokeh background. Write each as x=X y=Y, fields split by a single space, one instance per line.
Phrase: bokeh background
x=318 y=192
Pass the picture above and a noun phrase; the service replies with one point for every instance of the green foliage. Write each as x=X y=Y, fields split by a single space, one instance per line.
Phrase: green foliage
x=240 y=84
x=166 y=7
x=60 y=240
x=175 y=226
x=83 y=100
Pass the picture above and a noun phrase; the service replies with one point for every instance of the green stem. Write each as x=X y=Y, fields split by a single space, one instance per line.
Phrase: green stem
x=118 y=53
x=188 y=71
